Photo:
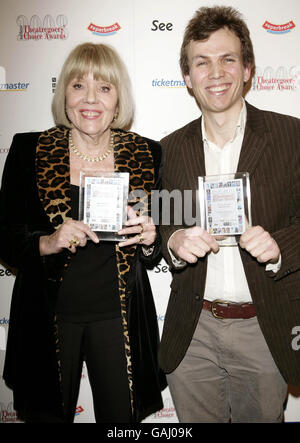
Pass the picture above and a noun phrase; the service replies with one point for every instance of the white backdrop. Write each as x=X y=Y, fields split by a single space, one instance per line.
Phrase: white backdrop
x=36 y=36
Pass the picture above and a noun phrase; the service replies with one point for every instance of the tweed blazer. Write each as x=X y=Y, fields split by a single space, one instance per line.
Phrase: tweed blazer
x=270 y=153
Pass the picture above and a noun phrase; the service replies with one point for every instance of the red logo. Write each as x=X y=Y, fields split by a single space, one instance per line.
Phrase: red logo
x=279 y=29
x=104 y=30
x=79 y=410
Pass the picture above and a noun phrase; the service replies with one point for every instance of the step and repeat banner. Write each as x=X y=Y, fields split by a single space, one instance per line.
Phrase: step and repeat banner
x=37 y=35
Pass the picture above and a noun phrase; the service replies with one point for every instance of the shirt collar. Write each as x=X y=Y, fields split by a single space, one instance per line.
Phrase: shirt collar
x=240 y=127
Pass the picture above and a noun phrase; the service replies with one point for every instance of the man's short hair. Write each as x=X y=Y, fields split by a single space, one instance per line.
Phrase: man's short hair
x=210 y=19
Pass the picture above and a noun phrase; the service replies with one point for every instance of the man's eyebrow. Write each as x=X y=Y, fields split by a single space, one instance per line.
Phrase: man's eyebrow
x=200 y=56
x=227 y=54
x=230 y=54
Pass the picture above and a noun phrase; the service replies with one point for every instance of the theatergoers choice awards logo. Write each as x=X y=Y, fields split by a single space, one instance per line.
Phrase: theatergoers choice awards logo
x=46 y=29
x=282 y=78
x=167 y=413
x=7 y=413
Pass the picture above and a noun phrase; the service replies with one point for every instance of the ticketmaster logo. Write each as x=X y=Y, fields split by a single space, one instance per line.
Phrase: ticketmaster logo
x=162 y=83
x=20 y=86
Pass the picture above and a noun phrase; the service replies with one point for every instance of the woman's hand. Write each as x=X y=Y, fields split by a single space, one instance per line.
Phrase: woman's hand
x=70 y=235
x=143 y=228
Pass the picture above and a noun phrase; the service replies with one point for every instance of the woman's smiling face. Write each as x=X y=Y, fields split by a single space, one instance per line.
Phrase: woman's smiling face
x=91 y=104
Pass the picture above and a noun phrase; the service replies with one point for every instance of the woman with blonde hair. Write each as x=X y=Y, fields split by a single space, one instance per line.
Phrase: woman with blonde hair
x=90 y=300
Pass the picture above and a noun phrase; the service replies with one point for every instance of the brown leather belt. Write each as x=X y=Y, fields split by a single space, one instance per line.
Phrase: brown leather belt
x=225 y=309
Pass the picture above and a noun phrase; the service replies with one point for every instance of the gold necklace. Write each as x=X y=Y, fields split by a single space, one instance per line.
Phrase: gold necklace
x=92 y=159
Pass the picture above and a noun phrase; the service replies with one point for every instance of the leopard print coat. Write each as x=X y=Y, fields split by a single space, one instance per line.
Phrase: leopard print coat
x=132 y=155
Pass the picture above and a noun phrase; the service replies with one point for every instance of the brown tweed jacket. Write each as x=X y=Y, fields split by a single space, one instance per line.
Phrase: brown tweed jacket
x=271 y=154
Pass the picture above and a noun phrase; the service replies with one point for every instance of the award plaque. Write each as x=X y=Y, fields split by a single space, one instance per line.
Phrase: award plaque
x=225 y=206
x=103 y=202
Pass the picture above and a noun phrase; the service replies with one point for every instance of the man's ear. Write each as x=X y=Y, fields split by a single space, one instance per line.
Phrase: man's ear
x=187 y=80
x=247 y=73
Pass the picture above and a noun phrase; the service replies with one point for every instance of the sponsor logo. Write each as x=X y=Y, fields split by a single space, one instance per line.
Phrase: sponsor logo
x=167 y=412
x=278 y=29
x=104 y=30
x=276 y=79
x=4 y=321
x=46 y=29
x=168 y=83
x=7 y=413
x=161 y=26
x=5 y=272
x=78 y=410
x=14 y=87
x=161 y=268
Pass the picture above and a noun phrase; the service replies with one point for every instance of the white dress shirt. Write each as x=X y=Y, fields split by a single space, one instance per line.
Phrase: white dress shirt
x=226 y=279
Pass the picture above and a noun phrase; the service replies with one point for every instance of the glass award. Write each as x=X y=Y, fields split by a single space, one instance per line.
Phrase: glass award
x=103 y=200
x=225 y=206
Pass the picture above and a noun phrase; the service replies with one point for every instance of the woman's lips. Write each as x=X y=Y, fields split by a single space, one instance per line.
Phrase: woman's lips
x=90 y=114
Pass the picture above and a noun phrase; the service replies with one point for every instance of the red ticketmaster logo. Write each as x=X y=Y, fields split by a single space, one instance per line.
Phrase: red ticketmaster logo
x=279 y=29
x=104 y=30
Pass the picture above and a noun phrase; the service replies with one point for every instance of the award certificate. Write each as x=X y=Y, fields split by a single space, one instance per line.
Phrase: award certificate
x=225 y=204
x=103 y=203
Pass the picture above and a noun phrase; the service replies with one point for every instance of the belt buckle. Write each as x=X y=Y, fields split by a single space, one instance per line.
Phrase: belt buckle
x=213 y=307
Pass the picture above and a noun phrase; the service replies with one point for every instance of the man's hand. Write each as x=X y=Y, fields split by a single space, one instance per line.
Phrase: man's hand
x=260 y=244
x=192 y=243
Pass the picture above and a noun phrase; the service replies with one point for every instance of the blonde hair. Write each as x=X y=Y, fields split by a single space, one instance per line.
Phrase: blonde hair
x=106 y=64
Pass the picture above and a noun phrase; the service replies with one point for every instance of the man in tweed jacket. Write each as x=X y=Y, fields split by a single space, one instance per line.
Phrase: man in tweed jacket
x=230 y=344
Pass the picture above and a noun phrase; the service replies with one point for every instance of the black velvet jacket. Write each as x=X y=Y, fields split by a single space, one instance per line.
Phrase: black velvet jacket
x=29 y=208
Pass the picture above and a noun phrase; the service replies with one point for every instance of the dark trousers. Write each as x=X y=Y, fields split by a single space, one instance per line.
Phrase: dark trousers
x=101 y=345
